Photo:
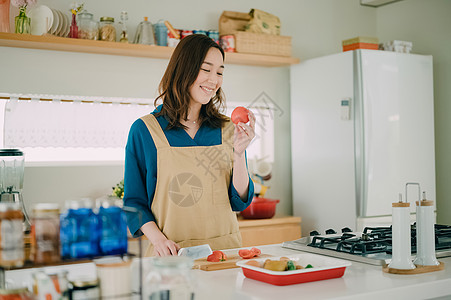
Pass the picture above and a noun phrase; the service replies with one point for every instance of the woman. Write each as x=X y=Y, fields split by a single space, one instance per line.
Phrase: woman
x=185 y=164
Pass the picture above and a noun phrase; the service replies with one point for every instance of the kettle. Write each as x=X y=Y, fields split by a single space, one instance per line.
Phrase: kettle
x=144 y=33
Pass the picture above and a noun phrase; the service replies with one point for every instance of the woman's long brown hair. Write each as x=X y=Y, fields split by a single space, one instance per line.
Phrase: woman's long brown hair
x=182 y=71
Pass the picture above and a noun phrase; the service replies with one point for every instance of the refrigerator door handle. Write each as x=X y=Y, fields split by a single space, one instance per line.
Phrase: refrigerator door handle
x=359 y=142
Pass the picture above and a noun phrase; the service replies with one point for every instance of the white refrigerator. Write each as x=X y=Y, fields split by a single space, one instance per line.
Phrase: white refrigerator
x=362 y=127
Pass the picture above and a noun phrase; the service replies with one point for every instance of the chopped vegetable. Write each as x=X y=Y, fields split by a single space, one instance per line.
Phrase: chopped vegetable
x=290 y=265
x=246 y=253
x=217 y=256
x=308 y=266
x=275 y=265
x=253 y=262
x=256 y=251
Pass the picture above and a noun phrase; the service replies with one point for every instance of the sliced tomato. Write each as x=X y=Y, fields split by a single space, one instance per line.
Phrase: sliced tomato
x=245 y=253
x=221 y=255
x=213 y=258
x=256 y=251
x=217 y=256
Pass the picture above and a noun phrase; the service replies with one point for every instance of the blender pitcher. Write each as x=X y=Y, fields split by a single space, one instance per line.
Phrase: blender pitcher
x=11 y=179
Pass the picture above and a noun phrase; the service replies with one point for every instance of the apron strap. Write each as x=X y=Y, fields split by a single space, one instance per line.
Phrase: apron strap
x=227 y=133
x=158 y=136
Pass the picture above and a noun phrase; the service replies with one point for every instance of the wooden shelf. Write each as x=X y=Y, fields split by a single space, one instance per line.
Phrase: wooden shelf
x=49 y=42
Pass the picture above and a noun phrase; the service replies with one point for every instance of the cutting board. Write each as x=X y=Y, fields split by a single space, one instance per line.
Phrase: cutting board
x=203 y=264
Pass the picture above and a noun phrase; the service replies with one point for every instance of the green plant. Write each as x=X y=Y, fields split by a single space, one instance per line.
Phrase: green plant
x=118 y=190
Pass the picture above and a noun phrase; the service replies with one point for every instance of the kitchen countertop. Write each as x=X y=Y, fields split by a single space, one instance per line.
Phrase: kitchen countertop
x=360 y=281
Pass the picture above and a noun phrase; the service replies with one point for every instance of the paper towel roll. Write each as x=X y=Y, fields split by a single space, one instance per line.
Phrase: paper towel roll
x=425 y=234
x=401 y=237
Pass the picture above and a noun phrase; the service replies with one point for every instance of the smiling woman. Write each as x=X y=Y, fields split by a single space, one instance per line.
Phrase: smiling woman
x=186 y=161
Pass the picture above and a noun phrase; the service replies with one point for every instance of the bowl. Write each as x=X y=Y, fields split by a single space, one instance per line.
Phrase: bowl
x=324 y=267
x=260 y=208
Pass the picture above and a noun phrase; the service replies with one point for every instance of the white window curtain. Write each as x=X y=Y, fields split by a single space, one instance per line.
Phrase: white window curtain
x=57 y=123
x=69 y=130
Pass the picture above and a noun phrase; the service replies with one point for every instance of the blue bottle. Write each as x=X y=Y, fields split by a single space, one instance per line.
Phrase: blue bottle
x=161 y=33
x=79 y=230
x=112 y=228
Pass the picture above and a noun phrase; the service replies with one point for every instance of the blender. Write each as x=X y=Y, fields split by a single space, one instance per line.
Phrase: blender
x=11 y=180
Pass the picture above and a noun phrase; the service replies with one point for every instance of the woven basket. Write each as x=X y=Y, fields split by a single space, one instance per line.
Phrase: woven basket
x=261 y=43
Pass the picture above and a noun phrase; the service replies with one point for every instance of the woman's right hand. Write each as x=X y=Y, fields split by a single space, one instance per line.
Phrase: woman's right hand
x=165 y=247
x=162 y=246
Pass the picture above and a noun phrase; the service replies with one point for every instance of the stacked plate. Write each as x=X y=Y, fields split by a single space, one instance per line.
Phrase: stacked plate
x=48 y=20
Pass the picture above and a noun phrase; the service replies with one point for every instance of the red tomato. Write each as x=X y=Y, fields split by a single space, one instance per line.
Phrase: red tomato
x=240 y=114
x=256 y=251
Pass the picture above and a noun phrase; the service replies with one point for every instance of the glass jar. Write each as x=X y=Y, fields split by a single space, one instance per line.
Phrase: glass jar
x=87 y=27
x=11 y=235
x=79 y=231
x=112 y=227
x=171 y=278
x=107 y=31
x=45 y=233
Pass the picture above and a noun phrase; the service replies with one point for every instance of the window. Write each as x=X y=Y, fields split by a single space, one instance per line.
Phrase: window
x=75 y=130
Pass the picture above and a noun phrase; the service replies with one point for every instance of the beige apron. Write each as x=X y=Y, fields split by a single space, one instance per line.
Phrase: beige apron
x=191 y=203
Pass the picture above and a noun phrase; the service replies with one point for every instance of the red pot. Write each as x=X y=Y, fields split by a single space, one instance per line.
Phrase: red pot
x=260 y=208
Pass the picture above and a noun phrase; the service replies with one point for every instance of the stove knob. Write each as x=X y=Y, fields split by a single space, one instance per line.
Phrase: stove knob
x=346 y=229
x=314 y=232
x=365 y=237
x=330 y=231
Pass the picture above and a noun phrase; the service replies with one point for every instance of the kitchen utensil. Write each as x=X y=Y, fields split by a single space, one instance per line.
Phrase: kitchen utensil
x=401 y=237
x=425 y=233
x=323 y=268
x=12 y=166
x=230 y=263
x=260 y=208
x=196 y=252
x=144 y=33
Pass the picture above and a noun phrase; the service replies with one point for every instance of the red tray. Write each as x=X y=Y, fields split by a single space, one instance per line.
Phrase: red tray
x=324 y=267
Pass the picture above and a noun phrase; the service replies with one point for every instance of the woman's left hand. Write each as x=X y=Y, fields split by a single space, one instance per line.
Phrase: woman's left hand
x=243 y=135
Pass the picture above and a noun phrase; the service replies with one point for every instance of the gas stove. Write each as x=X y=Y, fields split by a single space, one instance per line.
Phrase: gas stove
x=372 y=246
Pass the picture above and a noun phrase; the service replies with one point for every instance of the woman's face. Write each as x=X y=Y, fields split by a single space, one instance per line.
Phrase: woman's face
x=209 y=79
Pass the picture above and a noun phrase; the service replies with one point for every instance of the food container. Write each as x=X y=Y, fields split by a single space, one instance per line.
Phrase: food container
x=114 y=276
x=87 y=27
x=16 y=294
x=11 y=235
x=45 y=233
x=324 y=267
x=107 y=30
x=260 y=208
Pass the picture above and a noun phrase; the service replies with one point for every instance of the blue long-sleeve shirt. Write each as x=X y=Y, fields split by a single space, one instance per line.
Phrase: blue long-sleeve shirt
x=140 y=177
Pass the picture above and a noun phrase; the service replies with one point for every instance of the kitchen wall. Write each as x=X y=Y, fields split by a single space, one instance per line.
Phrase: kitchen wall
x=427 y=24
x=317 y=28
